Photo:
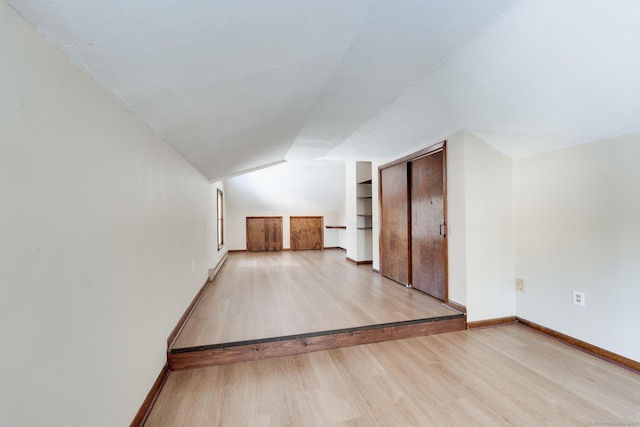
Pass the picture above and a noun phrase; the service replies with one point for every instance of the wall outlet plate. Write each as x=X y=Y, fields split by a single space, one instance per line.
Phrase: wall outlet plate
x=520 y=285
x=578 y=298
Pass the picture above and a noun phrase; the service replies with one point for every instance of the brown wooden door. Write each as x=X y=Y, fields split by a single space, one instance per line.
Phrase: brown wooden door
x=307 y=232
x=394 y=223
x=264 y=234
x=428 y=227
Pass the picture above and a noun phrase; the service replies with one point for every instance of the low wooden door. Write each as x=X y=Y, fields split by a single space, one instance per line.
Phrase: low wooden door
x=394 y=223
x=264 y=234
x=428 y=226
x=307 y=232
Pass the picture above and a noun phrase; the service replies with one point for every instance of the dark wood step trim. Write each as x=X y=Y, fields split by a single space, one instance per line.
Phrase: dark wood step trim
x=359 y=262
x=150 y=400
x=461 y=308
x=584 y=346
x=492 y=322
x=189 y=311
x=245 y=351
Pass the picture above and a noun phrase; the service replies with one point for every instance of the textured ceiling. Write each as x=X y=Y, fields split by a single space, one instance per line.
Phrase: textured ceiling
x=237 y=85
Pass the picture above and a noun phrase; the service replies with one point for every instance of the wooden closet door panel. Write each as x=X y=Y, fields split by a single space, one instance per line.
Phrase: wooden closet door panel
x=428 y=245
x=255 y=235
x=273 y=234
x=306 y=232
x=394 y=223
x=264 y=234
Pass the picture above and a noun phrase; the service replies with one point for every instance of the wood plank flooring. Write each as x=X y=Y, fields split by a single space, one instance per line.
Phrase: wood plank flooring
x=508 y=375
x=273 y=294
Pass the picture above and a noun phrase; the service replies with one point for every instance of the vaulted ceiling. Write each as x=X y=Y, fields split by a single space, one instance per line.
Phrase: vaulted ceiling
x=237 y=85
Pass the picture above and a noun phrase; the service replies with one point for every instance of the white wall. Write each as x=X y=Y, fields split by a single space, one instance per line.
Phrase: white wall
x=480 y=227
x=351 y=208
x=456 y=226
x=99 y=222
x=577 y=227
x=342 y=220
x=488 y=235
x=375 y=186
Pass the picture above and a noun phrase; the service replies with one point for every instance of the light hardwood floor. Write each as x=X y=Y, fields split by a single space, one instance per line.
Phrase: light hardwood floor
x=507 y=375
x=271 y=294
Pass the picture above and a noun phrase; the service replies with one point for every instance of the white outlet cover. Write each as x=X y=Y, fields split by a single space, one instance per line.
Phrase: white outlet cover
x=578 y=298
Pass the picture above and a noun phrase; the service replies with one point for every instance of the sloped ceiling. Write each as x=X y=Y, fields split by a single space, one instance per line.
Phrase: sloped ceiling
x=238 y=85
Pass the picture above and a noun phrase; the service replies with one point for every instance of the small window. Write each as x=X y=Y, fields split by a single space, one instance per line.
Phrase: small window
x=220 y=216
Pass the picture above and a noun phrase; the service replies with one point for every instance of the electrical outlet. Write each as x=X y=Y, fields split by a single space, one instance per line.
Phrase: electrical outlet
x=578 y=298
x=193 y=265
x=520 y=285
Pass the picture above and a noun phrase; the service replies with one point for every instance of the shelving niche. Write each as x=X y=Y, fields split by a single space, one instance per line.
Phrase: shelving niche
x=364 y=212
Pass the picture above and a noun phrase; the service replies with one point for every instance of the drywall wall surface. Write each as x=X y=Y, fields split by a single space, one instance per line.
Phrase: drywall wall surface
x=342 y=220
x=577 y=227
x=106 y=236
x=456 y=223
x=489 y=231
x=236 y=226
x=351 y=208
x=375 y=203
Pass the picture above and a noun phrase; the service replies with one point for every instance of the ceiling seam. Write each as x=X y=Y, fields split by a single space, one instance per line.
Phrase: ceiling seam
x=324 y=87
x=440 y=64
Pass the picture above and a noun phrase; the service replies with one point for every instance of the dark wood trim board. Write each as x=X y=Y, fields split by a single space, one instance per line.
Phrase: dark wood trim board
x=491 y=322
x=359 y=262
x=150 y=400
x=461 y=308
x=416 y=155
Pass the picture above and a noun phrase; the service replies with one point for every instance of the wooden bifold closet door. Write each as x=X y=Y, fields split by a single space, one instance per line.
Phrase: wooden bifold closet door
x=394 y=223
x=413 y=244
x=264 y=234
x=428 y=227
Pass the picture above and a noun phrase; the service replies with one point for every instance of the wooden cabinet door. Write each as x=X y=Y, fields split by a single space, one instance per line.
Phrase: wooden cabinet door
x=394 y=223
x=307 y=232
x=255 y=235
x=273 y=234
x=264 y=234
x=428 y=228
